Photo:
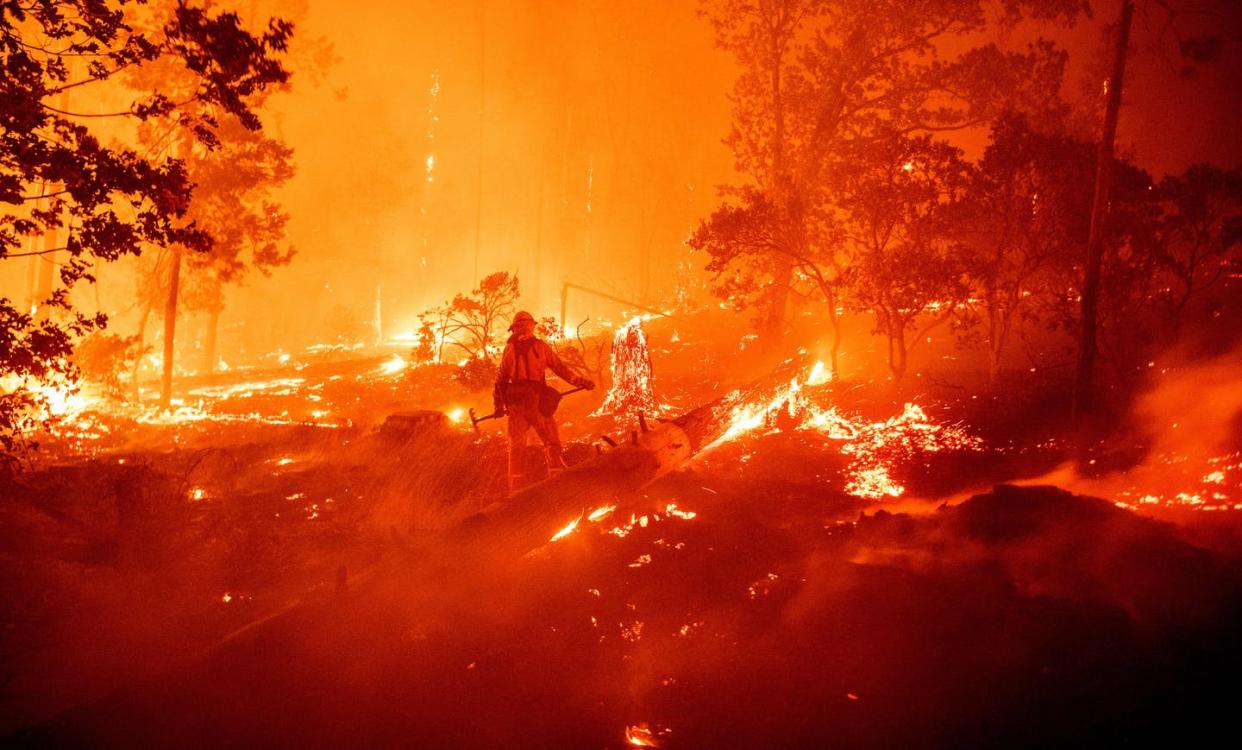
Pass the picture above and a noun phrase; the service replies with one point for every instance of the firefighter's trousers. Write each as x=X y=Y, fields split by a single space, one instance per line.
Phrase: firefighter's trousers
x=522 y=403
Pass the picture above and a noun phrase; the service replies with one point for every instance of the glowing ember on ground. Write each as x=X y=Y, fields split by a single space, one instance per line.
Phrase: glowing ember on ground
x=567 y=530
x=393 y=365
x=641 y=735
x=600 y=512
x=1168 y=481
x=672 y=510
x=873 y=447
x=198 y=493
x=873 y=484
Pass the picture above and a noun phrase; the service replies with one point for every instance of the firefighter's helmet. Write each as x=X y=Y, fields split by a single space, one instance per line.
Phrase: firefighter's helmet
x=521 y=317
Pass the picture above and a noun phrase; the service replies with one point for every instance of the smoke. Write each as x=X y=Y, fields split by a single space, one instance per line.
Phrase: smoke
x=1188 y=430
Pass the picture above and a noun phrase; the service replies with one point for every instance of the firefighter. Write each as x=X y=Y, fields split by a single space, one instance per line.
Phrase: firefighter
x=522 y=394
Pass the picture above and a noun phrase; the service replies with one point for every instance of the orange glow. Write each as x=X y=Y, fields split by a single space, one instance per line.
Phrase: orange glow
x=567 y=530
x=641 y=735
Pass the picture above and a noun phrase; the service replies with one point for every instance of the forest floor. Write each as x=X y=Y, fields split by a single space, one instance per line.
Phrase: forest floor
x=266 y=565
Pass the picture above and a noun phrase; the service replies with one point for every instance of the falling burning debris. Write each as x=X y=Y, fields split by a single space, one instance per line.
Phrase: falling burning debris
x=631 y=393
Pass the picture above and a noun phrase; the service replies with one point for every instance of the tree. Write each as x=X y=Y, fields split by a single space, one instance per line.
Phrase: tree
x=56 y=173
x=1198 y=229
x=898 y=204
x=472 y=319
x=102 y=357
x=233 y=202
x=233 y=175
x=1022 y=220
x=1087 y=344
x=818 y=81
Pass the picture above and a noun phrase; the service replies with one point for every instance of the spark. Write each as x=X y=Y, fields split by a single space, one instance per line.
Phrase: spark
x=819 y=375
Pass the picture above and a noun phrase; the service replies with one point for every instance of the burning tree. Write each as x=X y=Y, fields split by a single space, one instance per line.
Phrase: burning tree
x=631 y=393
x=60 y=180
x=234 y=175
x=819 y=82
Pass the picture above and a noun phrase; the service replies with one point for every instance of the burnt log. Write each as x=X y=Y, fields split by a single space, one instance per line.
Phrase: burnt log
x=511 y=528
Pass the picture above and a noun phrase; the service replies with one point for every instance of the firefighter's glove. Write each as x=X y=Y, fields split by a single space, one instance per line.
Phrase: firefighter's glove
x=498 y=400
x=584 y=383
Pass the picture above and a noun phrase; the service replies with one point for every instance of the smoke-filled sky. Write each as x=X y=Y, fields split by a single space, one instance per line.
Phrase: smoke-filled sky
x=597 y=148
x=568 y=142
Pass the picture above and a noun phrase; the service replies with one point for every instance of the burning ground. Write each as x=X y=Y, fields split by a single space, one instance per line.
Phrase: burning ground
x=832 y=565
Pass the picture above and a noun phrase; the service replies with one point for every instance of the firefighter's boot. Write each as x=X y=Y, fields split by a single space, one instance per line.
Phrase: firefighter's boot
x=556 y=462
x=515 y=472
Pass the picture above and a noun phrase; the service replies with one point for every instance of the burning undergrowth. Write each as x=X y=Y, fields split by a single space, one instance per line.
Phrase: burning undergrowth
x=1187 y=431
x=874 y=448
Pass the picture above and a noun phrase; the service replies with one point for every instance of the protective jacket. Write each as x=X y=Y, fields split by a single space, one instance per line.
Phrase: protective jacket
x=526 y=360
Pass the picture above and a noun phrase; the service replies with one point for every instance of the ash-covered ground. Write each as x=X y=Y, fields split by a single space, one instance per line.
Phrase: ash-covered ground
x=268 y=566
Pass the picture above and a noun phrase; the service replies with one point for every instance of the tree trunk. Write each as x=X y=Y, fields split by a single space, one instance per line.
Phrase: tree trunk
x=775 y=323
x=378 y=321
x=836 y=342
x=209 y=342
x=170 y=329
x=142 y=332
x=1087 y=347
x=46 y=275
x=897 y=353
x=35 y=262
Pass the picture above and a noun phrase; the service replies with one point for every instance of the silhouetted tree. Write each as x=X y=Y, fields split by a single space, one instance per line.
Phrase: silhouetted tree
x=474 y=320
x=1022 y=224
x=899 y=201
x=57 y=174
x=1199 y=231
x=820 y=80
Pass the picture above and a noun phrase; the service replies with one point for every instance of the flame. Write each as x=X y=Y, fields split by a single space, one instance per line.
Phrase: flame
x=567 y=530
x=873 y=447
x=640 y=735
x=457 y=414
x=600 y=512
x=819 y=375
x=672 y=510
x=394 y=365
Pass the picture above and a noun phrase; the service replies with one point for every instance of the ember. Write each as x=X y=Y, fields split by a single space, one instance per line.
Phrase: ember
x=631 y=393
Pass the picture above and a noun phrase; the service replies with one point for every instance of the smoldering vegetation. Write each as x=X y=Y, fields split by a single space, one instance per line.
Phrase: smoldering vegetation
x=1014 y=618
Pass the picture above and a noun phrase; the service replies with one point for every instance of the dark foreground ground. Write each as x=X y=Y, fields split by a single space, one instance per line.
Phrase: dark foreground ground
x=1021 y=617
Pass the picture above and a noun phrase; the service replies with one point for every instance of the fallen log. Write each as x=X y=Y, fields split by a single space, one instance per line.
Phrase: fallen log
x=509 y=529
